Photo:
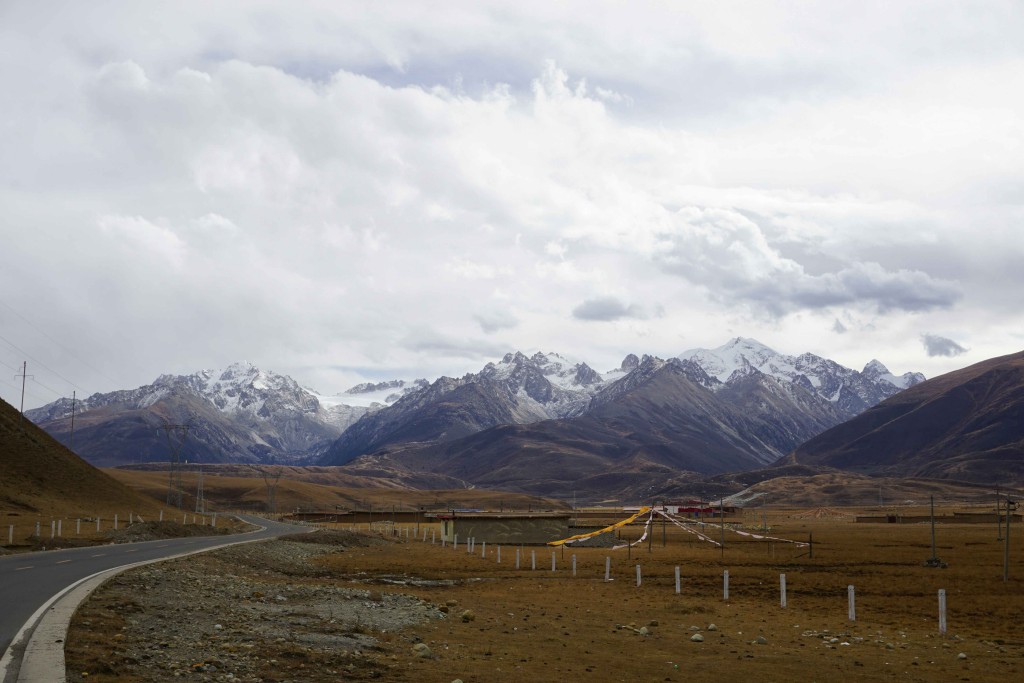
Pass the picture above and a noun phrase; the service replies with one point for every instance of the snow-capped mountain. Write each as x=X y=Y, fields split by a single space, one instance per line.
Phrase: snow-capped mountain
x=850 y=391
x=518 y=389
x=237 y=413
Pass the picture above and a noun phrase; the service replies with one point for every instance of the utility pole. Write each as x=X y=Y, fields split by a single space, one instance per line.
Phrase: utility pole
x=73 y=395
x=1010 y=507
x=23 y=375
x=999 y=519
x=200 y=498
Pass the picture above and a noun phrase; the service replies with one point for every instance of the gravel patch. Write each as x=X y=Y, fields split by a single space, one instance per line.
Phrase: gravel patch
x=252 y=612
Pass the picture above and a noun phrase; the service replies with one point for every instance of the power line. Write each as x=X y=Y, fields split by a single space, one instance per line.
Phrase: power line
x=57 y=393
x=37 y=361
x=58 y=343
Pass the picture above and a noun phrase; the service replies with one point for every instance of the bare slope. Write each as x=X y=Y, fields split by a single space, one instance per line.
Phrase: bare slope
x=966 y=425
x=37 y=474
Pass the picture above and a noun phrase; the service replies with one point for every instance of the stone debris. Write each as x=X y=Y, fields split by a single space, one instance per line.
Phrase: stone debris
x=238 y=614
x=697 y=638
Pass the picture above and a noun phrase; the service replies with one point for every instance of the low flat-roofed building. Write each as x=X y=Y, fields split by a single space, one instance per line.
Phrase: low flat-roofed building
x=504 y=527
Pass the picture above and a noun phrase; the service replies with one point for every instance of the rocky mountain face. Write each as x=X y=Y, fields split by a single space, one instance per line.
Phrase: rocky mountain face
x=516 y=390
x=240 y=413
x=966 y=425
x=647 y=424
x=851 y=392
x=540 y=417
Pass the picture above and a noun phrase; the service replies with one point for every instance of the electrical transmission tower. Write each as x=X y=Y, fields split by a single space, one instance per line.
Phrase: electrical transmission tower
x=200 y=498
x=270 y=480
x=176 y=435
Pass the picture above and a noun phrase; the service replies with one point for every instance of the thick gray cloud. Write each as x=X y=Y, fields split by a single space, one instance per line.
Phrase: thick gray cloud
x=340 y=190
x=941 y=346
x=605 y=309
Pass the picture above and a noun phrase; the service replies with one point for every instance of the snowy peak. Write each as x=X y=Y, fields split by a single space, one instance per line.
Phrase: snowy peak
x=740 y=353
x=849 y=390
x=876 y=371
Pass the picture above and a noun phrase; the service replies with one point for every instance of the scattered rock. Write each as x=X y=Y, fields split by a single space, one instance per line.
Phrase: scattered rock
x=697 y=638
x=468 y=615
x=712 y=627
x=422 y=650
x=962 y=655
x=760 y=640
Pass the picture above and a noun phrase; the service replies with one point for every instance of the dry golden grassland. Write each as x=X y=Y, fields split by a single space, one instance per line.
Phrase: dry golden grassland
x=543 y=625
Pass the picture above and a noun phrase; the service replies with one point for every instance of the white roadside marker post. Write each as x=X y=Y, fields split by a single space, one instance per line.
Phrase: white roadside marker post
x=517 y=558
x=942 y=611
x=638 y=576
x=533 y=560
x=78 y=526
x=552 y=560
x=852 y=609
x=725 y=585
x=499 y=554
x=608 y=568
x=782 y=589
x=574 y=564
x=677 y=580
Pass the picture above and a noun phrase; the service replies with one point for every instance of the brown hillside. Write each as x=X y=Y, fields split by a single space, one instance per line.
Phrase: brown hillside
x=40 y=477
x=234 y=487
x=966 y=425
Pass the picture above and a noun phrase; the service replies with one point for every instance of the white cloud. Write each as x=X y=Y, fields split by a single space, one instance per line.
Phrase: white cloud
x=336 y=184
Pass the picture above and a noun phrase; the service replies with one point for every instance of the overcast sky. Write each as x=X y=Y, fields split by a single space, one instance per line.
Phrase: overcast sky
x=344 y=191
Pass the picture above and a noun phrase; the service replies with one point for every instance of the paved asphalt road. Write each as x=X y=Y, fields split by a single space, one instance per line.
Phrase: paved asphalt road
x=28 y=580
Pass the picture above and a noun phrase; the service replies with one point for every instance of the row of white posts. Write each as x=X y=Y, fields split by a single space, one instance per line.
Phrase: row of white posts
x=851 y=593
x=57 y=525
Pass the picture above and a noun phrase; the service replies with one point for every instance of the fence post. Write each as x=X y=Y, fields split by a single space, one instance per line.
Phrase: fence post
x=608 y=568
x=852 y=610
x=725 y=585
x=677 y=580
x=942 y=611
x=782 y=589
x=638 y=576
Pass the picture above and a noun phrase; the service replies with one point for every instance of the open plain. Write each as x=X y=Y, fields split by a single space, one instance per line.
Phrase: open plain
x=389 y=606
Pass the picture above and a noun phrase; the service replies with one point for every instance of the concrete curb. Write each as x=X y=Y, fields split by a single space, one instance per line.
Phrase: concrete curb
x=43 y=659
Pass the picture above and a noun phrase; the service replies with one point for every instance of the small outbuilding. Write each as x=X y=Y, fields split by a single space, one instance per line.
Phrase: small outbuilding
x=509 y=528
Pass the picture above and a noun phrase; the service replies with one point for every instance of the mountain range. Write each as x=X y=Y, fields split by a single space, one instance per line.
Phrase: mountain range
x=541 y=417
x=966 y=425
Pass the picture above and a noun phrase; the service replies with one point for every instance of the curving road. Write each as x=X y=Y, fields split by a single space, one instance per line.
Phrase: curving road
x=28 y=580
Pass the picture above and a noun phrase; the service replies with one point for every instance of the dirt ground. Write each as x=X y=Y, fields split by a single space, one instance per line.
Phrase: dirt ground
x=480 y=620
